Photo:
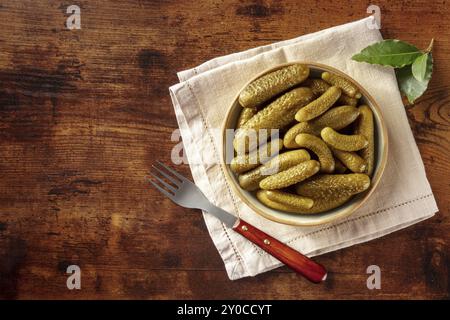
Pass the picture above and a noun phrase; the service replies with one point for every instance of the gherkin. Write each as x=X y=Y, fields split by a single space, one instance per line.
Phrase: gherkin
x=339 y=166
x=246 y=162
x=345 y=100
x=250 y=180
x=287 y=199
x=365 y=126
x=292 y=181
x=287 y=202
x=318 y=106
x=325 y=185
x=320 y=148
x=290 y=176
x=351 y=160
x=276 y=115
x=272 y=84
x=318 y=86
x=322 y=204
x=245 y=115
x=343 y=142
x=336 y=118
x=347 y=87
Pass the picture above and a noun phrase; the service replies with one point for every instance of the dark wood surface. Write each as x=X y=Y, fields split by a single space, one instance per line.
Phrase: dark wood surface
x=84 y=114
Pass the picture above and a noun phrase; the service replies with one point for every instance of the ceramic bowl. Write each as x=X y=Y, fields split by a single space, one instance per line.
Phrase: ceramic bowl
x=381 y=150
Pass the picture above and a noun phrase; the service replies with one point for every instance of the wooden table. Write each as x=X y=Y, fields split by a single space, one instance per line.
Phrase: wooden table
x=84 y=114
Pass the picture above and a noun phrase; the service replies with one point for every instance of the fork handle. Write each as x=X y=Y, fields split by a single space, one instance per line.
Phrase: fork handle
x=301 y=264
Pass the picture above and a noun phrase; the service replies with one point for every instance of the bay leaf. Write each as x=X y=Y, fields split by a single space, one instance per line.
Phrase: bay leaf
x=409 y=85
x=419 y=67
x=391 y=52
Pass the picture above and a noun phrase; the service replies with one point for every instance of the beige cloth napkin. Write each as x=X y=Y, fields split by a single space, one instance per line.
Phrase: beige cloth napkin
x=201 y=99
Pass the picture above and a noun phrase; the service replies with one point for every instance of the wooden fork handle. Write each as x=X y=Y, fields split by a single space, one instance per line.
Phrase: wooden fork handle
x=301 y=264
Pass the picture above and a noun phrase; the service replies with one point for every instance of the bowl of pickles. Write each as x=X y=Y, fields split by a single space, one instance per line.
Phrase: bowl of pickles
x=308 y=144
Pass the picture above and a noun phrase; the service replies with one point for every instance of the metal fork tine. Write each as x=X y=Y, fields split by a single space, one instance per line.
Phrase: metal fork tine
x=165 y=184
x=163 y=191
x=173 y=172
x=174 y=181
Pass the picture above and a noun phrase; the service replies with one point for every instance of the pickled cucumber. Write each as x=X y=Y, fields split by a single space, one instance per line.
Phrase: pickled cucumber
x=318 y=106
x=322 y=204
x=262 y=196
x=336 y=118
x=246 y=140
x=325 y=185
x=245 y=115
x=365 y=127
x=289 y=136
x=264 y=153
x=339 y=166
x=290 y=176
x=347 y=87
x=347 y=101
x=320 y=148
x=318 y=86
x=323 y=107
x=250 y=180
x=289 y=199
x=283 y=201
x=279 y=113
x=351 y=160
x=343 y=142
x=272 y=84
x=276 y=115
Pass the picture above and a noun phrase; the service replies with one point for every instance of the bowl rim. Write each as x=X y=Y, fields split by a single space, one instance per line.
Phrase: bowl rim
x=326 y=219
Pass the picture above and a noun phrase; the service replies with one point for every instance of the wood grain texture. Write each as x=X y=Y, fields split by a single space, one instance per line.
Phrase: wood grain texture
x=84 y=114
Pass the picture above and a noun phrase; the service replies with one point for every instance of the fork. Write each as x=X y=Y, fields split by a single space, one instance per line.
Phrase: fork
x=186 y=194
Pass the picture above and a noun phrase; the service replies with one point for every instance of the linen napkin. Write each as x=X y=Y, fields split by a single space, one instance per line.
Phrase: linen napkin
x=201 y=99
